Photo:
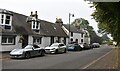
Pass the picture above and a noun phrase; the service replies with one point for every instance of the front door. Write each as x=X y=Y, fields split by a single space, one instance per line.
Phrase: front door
x=24 y=41
x=64 y=41
x=51 y=40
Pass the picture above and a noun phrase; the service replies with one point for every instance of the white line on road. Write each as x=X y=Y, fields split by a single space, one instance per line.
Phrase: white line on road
x=86 y=66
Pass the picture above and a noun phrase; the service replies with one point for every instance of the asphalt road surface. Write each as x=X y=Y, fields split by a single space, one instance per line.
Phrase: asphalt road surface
x=69 y=60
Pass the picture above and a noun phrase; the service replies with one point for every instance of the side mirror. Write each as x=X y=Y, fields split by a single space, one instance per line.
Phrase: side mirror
x=32 y=48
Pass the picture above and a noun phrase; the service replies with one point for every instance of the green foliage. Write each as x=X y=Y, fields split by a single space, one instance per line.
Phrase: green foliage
x=108 y=17
x=81 y=23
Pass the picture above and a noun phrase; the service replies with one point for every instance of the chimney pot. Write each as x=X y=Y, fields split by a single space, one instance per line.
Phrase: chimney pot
x=36 y=12
x=36 y=15
x=31 y=13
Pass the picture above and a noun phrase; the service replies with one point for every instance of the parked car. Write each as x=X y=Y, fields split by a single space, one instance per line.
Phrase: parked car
x=56 y=48
x=95 y=45
x=86 y=46
x=81 y=45
x=74 y=47
x=27 y=52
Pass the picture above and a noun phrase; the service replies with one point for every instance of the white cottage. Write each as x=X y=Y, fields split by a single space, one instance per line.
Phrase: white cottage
x=75 y=34
x=17 y=31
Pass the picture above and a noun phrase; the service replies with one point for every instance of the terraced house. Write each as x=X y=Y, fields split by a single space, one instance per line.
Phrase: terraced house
x=17 y=30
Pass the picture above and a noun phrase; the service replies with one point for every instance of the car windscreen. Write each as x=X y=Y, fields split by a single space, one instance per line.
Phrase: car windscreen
x=69 y=45
x=28 y=47
x=54 y=45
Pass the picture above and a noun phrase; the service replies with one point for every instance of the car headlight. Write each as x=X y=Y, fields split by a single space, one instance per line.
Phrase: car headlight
x=21 y=52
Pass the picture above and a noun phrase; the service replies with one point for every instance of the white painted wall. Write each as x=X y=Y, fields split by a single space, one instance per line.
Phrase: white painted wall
x=10 y=47
x=62 y=39
x=45 y=41
x=0 y=43
x=55 y=39
x=86 y=39
x=76 y=36
x=67 y=39
x=30 y=39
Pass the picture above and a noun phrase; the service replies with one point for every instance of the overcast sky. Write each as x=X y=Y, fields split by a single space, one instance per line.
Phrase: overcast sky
x=50 y=9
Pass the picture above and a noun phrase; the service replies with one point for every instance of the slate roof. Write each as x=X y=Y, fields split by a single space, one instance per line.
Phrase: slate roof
x=73 y=28
x=51 y=29
x=21 y=26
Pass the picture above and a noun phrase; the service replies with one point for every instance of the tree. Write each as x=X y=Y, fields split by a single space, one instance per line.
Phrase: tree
x=108 y=17
x=80 y=23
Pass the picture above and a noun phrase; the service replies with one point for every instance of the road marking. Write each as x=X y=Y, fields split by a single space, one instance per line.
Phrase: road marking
x=86 y=66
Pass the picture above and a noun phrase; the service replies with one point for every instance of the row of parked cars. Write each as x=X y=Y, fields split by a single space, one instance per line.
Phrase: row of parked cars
x=36 y=50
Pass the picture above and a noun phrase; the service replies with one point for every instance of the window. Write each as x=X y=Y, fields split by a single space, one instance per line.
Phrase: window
x=82 y=35
x=35 y=25
x=71 y=33
x=36 y=46
x=71 y=39
x=6 y=21
x=37 y=40
x=8 y=40
x=2 y=19
x=81 y=40
x=61 y=45
x=76 y=40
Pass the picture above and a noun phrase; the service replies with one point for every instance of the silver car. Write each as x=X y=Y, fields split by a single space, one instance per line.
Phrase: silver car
x=56 y=48
x=27 y=52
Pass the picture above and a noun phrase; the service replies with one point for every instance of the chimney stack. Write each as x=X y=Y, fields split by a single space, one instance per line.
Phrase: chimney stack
x=36 y=16
x=59 y=21
x=31 y=13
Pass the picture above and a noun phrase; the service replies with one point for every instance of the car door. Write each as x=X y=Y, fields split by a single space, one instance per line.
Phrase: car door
x=37 y=50
x=61 y=47
x=31 y=51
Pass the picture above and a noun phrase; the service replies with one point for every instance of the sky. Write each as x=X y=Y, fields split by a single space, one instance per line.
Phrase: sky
x=49 y=10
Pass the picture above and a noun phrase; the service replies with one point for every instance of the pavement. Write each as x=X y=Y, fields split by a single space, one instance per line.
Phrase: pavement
x=108 y=61
x=111 y=60
x=4 y=55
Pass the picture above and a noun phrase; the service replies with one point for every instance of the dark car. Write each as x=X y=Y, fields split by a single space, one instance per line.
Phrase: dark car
x=27 y=52
x=95 y=45
x=74 y=47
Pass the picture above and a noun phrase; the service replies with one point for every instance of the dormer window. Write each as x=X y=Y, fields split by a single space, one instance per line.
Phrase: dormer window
x=6 y=21
x=2 y=19
x=35 y=25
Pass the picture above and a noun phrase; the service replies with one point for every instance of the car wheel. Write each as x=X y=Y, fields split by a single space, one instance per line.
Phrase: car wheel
x=75 y=49
x=42 y=53
x=27 y=55
x=65 y=50
x=56 y=51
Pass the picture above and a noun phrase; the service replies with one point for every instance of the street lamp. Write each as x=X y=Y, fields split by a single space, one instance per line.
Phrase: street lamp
x=69 y=23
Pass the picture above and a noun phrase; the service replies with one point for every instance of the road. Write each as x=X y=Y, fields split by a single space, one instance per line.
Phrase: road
x=69 y=60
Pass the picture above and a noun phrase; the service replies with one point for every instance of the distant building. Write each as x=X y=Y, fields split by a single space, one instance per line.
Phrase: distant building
x=75 y=35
